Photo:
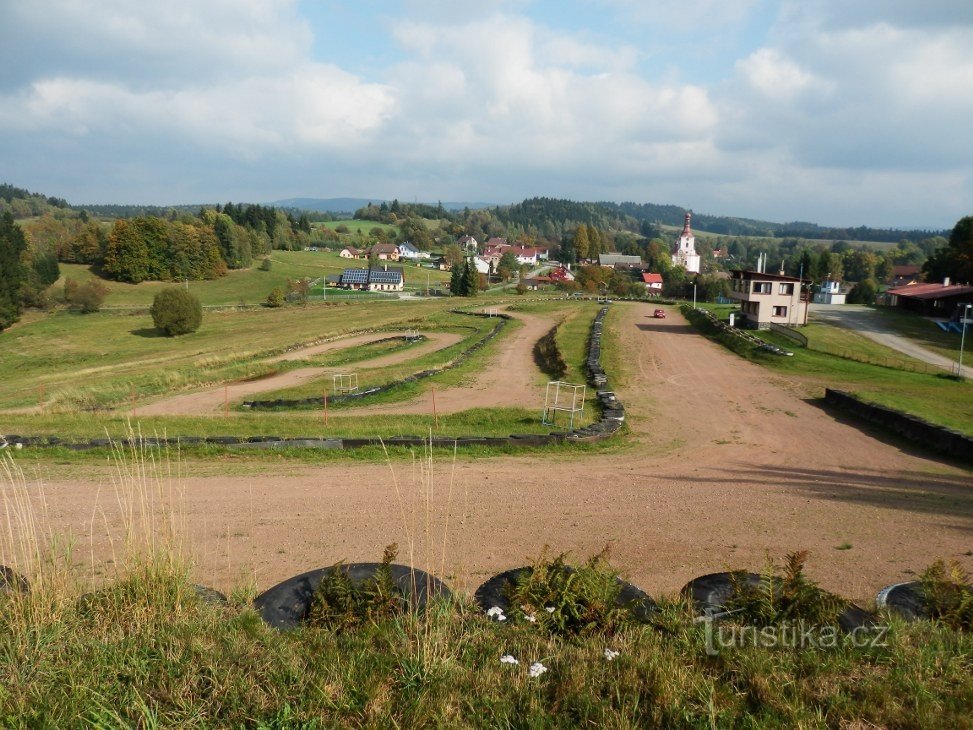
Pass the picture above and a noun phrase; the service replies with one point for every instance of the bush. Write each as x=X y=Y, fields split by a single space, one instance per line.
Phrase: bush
x=788 y=597
x=339 y=603
x=176 y=311
x=564 y=600
x=266 y=265
x=275 y=298
x=948 y=597
x=87 y=297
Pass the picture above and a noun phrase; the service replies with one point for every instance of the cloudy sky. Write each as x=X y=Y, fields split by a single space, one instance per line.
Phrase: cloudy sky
x=841 y=112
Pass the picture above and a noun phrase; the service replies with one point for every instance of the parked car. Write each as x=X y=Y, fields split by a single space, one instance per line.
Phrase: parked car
x=659 y=314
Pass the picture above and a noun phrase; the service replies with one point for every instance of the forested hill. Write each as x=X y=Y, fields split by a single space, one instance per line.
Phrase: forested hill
x=22 y=203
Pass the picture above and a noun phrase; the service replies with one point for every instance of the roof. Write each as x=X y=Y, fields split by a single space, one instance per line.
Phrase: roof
x=352 y=250
x=906 y=270
x=650 y=278
x=610 y=259
x=744 y=274
x=931 y=291
x=383 y=248
x=375 y=276
x=407 y=247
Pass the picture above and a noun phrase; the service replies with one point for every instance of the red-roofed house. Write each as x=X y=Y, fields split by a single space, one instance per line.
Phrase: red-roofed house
x=653 y=282
x=905 y=274
x=561 y=274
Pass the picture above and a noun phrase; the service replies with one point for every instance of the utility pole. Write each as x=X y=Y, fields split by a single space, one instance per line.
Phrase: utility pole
x=962 y=339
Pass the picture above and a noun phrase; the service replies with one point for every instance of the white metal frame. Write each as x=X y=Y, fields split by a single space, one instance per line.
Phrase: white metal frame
x=567 y=398
x=343 y=383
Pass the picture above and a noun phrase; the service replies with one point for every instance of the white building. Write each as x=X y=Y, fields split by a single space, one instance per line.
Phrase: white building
x=408 y=251
x=481 y=264
x=830 y=293
x=685 y=254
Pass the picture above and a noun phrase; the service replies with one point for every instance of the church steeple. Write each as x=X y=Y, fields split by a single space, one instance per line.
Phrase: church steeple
x=685 y=254
x=686 y=230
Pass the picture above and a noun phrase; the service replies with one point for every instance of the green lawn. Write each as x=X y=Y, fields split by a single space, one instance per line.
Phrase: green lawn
x=248 y=286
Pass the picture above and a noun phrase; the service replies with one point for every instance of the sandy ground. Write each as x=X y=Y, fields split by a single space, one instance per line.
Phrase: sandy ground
x=869 y=323
x=211 y=401
x=510 y=378
x=725 y=463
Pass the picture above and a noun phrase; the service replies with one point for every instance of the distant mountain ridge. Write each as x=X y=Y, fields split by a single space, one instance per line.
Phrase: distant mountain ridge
x=350 y=205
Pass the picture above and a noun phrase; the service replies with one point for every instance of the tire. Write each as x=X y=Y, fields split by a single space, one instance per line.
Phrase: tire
x=710 y=594
x=286 y=605
x=906 y=600
x=11 y=581
x=492 y=593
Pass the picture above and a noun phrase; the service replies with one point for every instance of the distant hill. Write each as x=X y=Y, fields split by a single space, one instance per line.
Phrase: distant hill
x=350 y=205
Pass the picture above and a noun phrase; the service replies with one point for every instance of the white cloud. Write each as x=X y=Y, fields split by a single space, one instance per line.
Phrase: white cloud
x=775 y=76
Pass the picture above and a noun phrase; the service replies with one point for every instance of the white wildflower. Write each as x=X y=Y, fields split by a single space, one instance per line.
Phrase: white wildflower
x=536 y=669
x=530 y=617
x=508 y=659
x=609 y=654
x=549 y=609
x=497 y=613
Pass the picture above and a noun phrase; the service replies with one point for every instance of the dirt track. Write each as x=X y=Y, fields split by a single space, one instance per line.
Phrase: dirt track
x=212 y=400
x=726 y=463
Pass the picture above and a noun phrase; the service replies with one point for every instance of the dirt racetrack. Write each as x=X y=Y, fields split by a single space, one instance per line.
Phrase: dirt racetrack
x=724 y=464
x=211 y=400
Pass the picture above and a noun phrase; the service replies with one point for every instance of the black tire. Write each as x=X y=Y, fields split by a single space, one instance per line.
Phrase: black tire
x=285 y=606
x=11 y=581
x=709 y=595
x=907 y=600
x=492 y=593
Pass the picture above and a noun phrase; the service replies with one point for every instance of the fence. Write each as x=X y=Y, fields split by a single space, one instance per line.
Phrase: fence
x=790 y=333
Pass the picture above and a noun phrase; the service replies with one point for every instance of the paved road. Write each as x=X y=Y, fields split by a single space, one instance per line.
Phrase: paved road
x=872 y=325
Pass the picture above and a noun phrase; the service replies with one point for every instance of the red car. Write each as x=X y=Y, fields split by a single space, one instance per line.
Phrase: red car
x=659 y=314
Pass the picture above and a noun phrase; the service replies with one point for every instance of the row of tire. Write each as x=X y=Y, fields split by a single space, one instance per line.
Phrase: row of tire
x=285 y=606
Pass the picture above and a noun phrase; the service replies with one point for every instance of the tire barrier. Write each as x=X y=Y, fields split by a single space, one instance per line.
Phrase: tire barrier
x=912 y=428
x=611 y=420
x=12 y=582
x=286 y=605
x=709 y=595
x=908 y=600
x=493 y=593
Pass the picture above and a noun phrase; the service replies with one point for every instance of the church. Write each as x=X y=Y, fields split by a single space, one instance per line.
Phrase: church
x=685 y=254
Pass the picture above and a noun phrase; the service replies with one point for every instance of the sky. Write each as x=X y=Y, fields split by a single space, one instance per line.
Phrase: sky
x=838 y=112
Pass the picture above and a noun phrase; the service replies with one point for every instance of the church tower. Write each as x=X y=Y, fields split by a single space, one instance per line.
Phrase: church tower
x=685 y=254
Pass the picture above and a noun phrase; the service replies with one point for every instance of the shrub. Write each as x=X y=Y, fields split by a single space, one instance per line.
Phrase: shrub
x=562 y=599
x=276 y=297
x=787 y=597
x=176 y=311
x=87 y=297
x=266 y=264
x=339 y=603
x=949 y=598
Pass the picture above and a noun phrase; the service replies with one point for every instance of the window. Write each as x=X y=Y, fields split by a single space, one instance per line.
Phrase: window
x=761 y=287
x=787 y=289
x=780 y=311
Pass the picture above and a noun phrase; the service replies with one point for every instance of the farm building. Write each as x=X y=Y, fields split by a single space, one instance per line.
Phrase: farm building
x=384 y=279
x=619 y=261
x=931 y=300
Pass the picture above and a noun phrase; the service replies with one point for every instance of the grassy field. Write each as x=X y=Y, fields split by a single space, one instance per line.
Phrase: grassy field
x=935 y=397
x=248 y=286
x=145 y=651
x=83 y=360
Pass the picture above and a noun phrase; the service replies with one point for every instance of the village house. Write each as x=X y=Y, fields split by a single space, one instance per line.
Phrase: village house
x=905 y=274
x=561 y=273
x=619 y=261
x=350 y=252
x=769 y=298
x=526 y=255
x=652 y=282
x=830 y=293
x=410 y=252
x=468 y=242
x=380 y=280
x=932 y=300
x=482 y=265
x=384 y=252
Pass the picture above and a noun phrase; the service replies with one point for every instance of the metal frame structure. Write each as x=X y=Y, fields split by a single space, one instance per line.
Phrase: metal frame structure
x=567 y=398
x=412 y=336
x=344 y=383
